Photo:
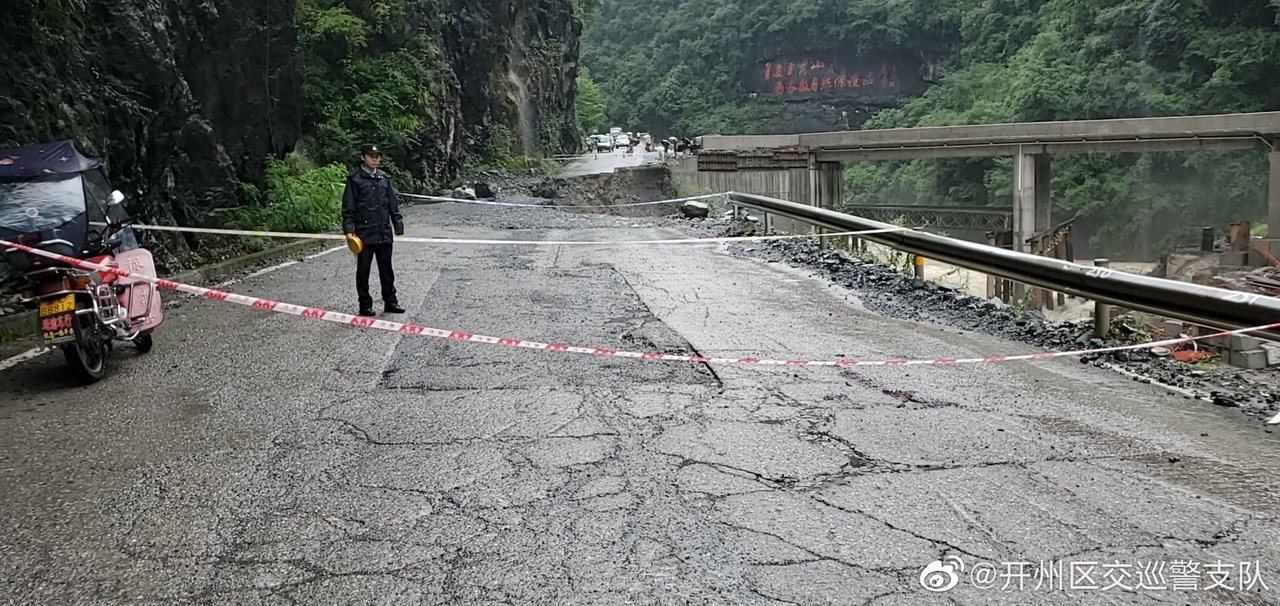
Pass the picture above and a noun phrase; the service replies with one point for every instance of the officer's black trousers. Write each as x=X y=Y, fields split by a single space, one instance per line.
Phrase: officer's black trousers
x=386 y=278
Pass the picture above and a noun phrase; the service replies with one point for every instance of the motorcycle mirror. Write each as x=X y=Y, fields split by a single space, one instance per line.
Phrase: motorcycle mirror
x=117 y=197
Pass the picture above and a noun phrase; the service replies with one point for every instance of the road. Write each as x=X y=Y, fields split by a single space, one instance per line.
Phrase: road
x=595 y=164
x=259 y=459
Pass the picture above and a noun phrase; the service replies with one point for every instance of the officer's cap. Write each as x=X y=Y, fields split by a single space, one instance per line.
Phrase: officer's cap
x=369 y=149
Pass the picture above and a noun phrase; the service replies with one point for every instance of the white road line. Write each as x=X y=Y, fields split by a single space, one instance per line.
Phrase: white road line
x=1275 y=420
x=22 y=357
x=270 y=269
x=1151 y=381
x=321 y=254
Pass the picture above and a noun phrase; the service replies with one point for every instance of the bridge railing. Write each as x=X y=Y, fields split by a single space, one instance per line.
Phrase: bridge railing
x=1194 y=303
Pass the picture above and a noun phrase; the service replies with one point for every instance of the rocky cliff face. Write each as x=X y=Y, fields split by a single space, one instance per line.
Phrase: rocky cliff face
x=187 y=99
x=829 y=89
x=183 y=99
x=514 y=64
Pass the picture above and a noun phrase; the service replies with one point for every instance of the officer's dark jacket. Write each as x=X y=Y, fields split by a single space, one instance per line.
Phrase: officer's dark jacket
x=371 y=207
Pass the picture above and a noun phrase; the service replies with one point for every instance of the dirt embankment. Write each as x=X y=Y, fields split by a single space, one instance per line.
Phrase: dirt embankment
x=600 y=192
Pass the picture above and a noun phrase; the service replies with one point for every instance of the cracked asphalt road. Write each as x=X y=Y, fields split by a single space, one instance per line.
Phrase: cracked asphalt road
x=254 y=458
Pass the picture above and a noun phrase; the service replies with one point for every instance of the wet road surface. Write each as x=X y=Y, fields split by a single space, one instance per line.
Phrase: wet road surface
x=254 y=458
x=606 y=162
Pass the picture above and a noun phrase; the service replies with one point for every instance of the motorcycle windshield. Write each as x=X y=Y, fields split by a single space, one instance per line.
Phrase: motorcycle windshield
x=40 y=204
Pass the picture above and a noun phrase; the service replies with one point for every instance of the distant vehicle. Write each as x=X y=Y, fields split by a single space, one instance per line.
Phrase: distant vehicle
x=603 y=143
x=622 y=141
x=615 y=131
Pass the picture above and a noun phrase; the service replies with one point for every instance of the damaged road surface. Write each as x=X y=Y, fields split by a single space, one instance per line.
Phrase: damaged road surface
x=260 y=459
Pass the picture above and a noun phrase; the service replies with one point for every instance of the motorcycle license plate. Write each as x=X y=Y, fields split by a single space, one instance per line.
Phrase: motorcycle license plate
x=57 y=319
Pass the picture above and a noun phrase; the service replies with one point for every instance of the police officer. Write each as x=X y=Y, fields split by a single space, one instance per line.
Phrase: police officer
x=371 y=212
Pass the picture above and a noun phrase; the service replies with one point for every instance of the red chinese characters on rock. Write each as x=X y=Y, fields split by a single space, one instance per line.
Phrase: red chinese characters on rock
x=809 y=77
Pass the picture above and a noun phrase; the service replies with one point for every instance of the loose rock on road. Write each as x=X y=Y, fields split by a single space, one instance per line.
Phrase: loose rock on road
x=256 y=458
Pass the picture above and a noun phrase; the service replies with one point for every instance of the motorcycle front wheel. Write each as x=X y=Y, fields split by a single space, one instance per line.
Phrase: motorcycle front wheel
x=87 y=357
x=144 y=343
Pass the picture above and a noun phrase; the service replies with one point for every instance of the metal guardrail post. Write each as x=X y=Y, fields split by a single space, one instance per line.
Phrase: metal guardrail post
x=1101 y=311
x=1193 y=303
x=918 y=262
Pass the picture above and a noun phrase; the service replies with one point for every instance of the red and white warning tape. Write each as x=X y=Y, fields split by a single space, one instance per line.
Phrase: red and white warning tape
x=412 y=329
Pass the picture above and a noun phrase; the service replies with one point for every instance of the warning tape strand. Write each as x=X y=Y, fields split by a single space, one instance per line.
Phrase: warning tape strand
x=412 y=329
x=723 y=195
x=416 y=240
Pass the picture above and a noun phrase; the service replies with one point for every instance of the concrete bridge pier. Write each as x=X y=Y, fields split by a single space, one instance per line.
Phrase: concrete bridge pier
x=1273 y=201
x=1032 y=205
x=826 y=184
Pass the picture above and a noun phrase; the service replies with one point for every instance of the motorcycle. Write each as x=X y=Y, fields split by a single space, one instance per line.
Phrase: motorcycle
x=55 y=199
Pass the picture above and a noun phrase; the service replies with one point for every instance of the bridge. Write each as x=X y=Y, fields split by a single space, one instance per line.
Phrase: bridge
x=807 y=167
x=939 y=217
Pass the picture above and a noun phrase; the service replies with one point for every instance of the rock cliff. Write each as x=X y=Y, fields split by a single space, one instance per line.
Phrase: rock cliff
x=514 y=64
x=829 y=89
x=183 y=99
x=187 y=100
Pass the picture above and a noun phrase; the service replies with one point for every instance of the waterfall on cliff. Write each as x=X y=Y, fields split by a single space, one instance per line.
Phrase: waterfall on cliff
x=527 y=114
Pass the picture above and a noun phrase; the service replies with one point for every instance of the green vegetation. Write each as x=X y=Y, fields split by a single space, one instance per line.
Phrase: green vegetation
x=298 y=198
x=591 y=117
x=375 y=72
x=674 y=66
x=676 y=63
x=371 y=74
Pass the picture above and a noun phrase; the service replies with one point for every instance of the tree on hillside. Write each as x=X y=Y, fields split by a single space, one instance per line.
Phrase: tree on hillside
x=591 y=108
x=369 y=77
x=680 y=63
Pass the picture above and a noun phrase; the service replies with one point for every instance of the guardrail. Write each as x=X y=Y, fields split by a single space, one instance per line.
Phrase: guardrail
x=1194 y=303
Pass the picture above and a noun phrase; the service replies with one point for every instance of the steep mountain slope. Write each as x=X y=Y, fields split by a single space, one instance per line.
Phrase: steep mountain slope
x=187 y=100
x=698 y=68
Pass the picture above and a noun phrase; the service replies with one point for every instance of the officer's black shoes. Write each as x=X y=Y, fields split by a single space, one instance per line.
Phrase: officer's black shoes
x=393 y=309
x=367 y=312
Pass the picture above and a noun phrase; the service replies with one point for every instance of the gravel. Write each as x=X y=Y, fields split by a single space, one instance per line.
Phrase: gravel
x=890 y=292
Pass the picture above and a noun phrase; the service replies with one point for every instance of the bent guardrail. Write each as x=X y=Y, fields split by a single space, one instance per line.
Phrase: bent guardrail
x=1194 y=303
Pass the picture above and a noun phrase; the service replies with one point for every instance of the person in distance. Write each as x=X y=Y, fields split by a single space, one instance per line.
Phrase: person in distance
x=371 y=219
